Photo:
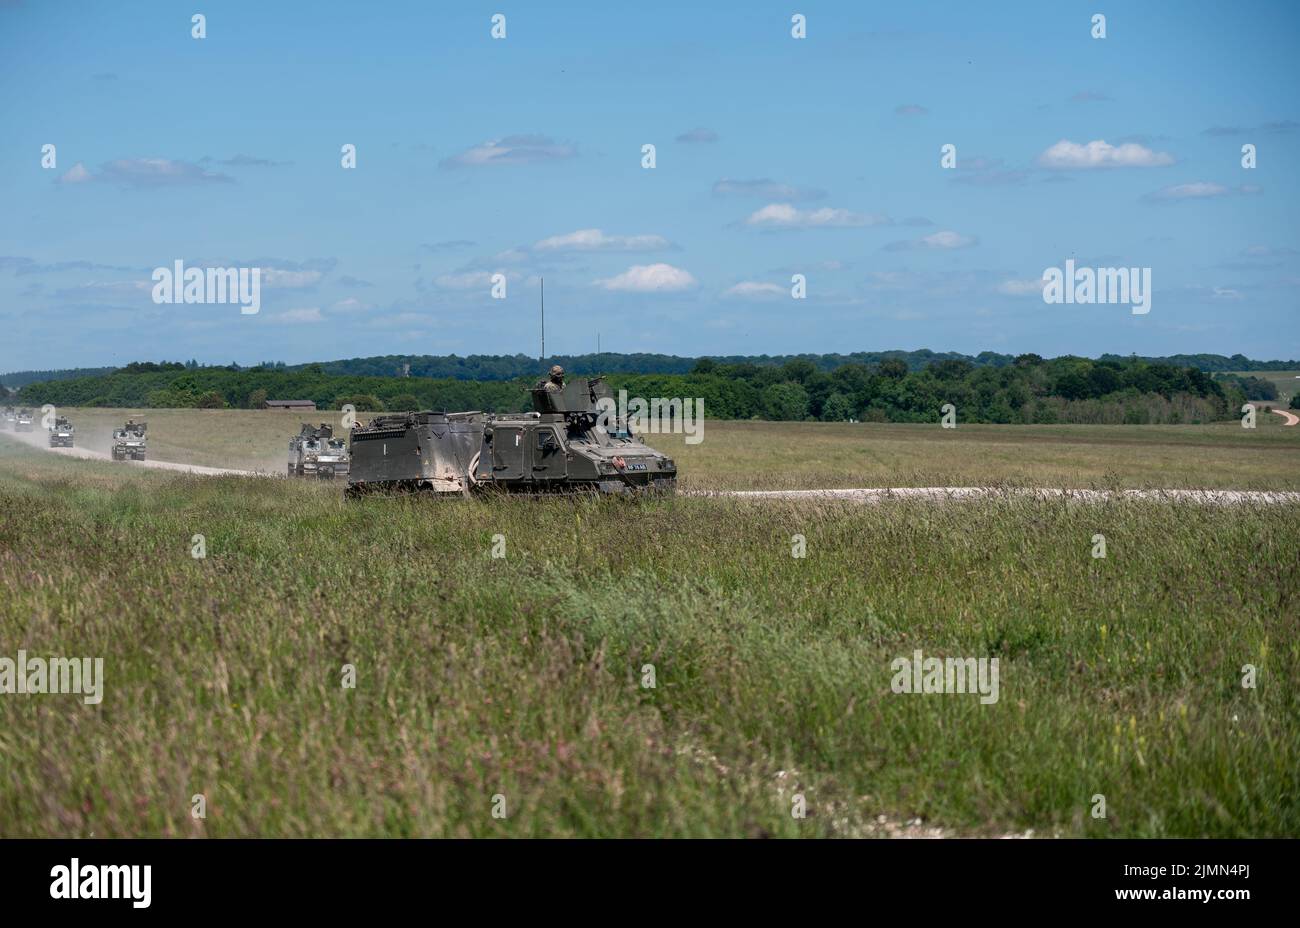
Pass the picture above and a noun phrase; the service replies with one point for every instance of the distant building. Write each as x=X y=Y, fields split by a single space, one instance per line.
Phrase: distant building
x=302 y=405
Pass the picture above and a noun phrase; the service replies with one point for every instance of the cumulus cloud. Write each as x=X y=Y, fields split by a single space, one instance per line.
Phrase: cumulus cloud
x=513 y=149
x=245 y=161
x=939 y=241
x=650 y=278
x=696 y=136
x=289 y=280
x=597 y=240
x=754 y=290
x=1100 y=154
x=988 y=172
x=296 y=316
x=1199 y=190
x=766 y=189
x=787 y=216
x=1021 y=287
x=466 y=280
x=144 y=173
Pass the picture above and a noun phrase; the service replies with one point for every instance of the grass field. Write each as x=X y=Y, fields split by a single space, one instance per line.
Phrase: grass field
x=811 y=455
x=522 y=677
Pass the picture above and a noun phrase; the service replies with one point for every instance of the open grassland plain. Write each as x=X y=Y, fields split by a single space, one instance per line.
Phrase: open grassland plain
x=524 y=677
x=814 y=455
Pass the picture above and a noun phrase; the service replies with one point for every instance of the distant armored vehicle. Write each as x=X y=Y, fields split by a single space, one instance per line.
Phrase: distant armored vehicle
x=61 y=433
x=334 y=459
x=564 y=445
x=24 y=421
x=10 y=417
x=315 y=452
x=129 y=441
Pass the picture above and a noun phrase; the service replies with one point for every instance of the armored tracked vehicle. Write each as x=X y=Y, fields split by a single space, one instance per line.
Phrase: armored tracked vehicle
x=24 y=421
x=10 y=417
x=567 y=444
x=334 y=460
x=61 y=433
x=315 y=452
x=129 y=441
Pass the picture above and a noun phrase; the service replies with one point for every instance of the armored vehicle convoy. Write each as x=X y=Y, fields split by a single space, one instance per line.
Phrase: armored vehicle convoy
x=315 y=452
x=61 y=433
x=334 y=460
x=567 y=444
x=129 y=441
x=24 y=421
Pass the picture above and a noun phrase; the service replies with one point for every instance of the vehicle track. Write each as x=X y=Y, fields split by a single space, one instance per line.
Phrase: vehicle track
x=859 y=495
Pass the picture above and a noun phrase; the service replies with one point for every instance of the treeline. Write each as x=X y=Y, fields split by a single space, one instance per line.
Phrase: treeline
x=1029 y=389
x=512 y=367
x=519 y=366
x=19 y=379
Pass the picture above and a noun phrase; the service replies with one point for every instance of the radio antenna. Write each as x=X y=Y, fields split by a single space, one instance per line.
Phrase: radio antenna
x=542 y=281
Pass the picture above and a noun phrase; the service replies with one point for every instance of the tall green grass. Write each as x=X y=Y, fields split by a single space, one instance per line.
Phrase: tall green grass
x=522 y=676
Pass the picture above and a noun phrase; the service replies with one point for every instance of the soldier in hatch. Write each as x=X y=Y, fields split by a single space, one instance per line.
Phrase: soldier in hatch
x=556 y=381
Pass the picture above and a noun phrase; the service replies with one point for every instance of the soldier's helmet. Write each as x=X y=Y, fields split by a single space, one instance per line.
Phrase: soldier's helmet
x=556 y=372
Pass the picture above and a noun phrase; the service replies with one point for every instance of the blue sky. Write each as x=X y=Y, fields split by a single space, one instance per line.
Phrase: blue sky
x=523 y=156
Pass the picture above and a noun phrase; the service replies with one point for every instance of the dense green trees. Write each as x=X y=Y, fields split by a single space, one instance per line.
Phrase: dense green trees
x=1025 y=389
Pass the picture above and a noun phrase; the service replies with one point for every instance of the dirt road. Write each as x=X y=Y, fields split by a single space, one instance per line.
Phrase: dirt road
x=40 y=439
x=864 y=495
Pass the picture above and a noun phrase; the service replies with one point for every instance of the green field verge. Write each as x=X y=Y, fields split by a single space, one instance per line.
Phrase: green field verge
x=522 y=677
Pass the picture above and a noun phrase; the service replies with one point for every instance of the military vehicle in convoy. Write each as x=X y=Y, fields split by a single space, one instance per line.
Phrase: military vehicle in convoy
x=315 y=452
x=10 y=417
x=334 y=460
x=61 y=433
x=129 y=441
x=570 y=442
x=23 y=422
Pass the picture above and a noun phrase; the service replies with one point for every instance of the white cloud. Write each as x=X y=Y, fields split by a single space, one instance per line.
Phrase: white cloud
x=513 y=149
x=289 y=280
x=305 y=315
x=350 y=304
x=470 y=280
x=596 y=240
x=1200 y=190
x=698 y=135
x=1100 y=154
x=765 y=188
x=1021 y=287
x=947 y=239
x=77 y=174
x=752 y=289
x=942 y=241
x=650 y=278
x=787 y=216
x=144 y=172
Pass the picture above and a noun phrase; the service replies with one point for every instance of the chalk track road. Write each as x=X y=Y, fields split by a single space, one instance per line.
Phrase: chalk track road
x=860 y=495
